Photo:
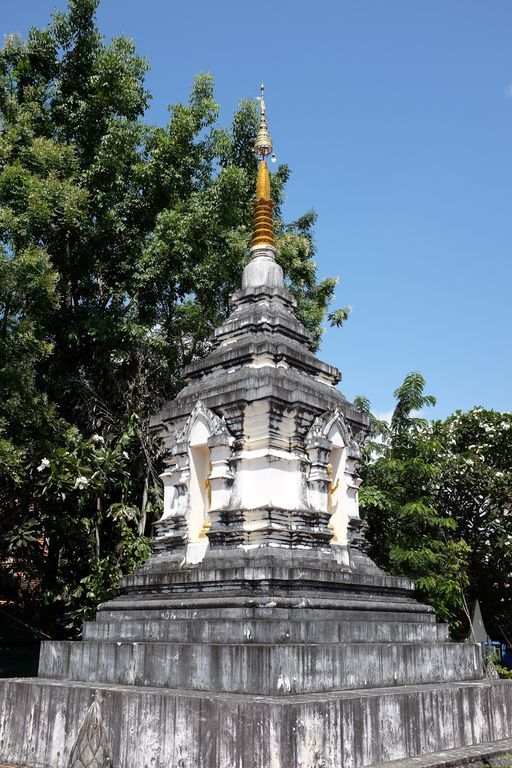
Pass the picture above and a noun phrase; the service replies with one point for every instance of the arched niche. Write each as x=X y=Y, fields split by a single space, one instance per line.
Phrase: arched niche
x=197 y=483
x=336 y=495
x=200 y=484
x=332 y=479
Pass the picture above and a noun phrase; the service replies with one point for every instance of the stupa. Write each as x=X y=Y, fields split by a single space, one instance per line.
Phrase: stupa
x=259 y=634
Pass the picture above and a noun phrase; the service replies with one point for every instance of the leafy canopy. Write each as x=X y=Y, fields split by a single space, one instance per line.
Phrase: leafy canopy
x=120 y=243
x=438 y=500
x=409 y=533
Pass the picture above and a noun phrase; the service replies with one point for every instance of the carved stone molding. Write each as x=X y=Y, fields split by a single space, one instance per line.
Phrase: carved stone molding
x=216 y=424
x=323 y=424
x=91 y=749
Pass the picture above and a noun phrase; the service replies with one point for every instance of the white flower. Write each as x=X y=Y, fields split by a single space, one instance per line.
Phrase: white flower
x=81 y=482
x=125 y=455
x=98 y=439
x=44 y=463
x=499 y=474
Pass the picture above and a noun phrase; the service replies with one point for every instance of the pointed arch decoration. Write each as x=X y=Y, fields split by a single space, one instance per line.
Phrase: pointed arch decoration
x=322 y=426
x=216 y=425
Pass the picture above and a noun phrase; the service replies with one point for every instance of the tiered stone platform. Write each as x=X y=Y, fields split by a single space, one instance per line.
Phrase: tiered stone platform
x=265 y=659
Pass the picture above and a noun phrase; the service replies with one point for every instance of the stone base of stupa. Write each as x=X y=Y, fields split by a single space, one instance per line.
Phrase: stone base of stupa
x=265 y=659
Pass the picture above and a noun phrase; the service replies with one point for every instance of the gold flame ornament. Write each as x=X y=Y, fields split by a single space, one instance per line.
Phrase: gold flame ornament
x=204 y=530
x=263 y=228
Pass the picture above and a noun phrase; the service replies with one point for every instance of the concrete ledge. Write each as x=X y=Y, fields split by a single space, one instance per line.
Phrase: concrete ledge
x=153 y=611
x=39 y=722
x=225 y=571
x=240 y=630
x=198 y=601
x=476 y=755
x=260 y=669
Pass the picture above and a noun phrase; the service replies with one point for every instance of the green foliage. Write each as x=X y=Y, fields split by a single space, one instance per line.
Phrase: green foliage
x=76 y=531
x=409 y=533
x=504 y=672
x=438 y=498
x=475 y=489
x=410 y=398
x=120 y=243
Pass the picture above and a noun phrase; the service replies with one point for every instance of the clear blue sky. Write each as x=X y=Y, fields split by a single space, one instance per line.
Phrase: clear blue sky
x=396 y=119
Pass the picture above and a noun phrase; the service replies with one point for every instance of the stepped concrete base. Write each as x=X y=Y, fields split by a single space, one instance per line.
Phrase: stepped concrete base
x=239 y=630
x=263 y=660
x=163 y=728
x=260 y=669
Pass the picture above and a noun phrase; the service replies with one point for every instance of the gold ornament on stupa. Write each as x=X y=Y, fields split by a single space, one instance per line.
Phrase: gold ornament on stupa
x=263 y=229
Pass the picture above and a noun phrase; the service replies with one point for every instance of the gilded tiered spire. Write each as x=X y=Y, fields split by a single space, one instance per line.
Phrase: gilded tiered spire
x=263 y=229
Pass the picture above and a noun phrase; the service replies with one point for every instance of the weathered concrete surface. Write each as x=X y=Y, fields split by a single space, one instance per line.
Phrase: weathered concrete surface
x=335 y=669
x=350 y=670
x=158 y=728
x=279 y=579
x=159 y=610
x=288 y=567
x=495 y=753
x=240 y=630
x=260 y=669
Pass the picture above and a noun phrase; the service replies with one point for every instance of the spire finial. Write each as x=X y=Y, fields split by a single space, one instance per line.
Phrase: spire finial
x=263 y=230
x=263 y=143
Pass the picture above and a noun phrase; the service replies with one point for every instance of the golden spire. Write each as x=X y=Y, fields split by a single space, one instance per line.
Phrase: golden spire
x=263 y=230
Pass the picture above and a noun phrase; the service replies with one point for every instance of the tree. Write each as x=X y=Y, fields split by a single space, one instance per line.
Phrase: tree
x=409 y=532
x=475 y=490
x=121 y=242
x=438 y=498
